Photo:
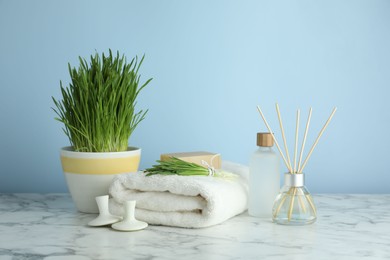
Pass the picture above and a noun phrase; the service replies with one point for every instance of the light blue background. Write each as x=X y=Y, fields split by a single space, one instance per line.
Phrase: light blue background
x=212 y=63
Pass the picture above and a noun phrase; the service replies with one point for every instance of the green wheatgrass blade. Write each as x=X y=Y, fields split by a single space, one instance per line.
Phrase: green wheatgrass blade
x=98 y=106
x=176 y=166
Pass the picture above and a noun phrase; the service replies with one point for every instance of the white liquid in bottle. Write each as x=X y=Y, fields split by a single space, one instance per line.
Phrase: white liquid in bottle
x=264 y=178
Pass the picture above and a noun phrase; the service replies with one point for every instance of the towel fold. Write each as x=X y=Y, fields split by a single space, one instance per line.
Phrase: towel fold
x=182 y=201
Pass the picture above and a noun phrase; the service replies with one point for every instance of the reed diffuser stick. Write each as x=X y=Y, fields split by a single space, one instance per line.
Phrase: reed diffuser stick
x=301 y=202
x=280 y=204
x=296 y=141
x=291 y=203
x=308 y=197
x=284 y=137
x=318 y=138
x=304 y=138
x=273 y=137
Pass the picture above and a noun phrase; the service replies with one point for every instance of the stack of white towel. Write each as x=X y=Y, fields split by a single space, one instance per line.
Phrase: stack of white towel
x=182 y=201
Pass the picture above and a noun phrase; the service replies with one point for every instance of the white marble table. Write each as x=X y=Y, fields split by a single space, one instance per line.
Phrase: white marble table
x=36 y=226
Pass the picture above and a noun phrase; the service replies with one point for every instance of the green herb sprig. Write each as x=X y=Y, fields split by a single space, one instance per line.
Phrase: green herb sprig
x=98 y=107
x=176 y=166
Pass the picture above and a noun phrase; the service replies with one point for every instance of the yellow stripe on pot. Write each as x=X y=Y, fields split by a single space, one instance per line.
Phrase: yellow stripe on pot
x=100 y=165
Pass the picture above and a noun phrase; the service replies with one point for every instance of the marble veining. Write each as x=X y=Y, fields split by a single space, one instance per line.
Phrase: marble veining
x=47 y=226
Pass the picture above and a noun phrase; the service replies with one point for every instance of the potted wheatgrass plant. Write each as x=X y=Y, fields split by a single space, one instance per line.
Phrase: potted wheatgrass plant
x=99 y=115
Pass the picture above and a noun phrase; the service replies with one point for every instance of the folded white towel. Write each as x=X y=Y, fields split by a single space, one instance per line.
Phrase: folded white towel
x=182 y=201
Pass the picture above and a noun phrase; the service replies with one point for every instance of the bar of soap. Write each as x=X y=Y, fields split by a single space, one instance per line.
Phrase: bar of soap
x=213 y=159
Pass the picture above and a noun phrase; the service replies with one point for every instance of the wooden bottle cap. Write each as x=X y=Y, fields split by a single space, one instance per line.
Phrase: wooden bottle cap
x=265 y=139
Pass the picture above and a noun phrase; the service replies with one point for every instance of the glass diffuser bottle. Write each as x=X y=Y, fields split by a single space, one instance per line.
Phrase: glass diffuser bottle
x=294 y=205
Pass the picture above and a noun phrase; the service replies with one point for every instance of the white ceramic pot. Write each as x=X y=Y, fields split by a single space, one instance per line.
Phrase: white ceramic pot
x=89 y=175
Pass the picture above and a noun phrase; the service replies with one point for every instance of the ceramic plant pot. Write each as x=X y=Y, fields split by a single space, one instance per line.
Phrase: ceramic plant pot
x=89 y=175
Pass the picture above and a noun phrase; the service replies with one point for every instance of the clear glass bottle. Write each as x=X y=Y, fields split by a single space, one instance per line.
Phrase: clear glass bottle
x=294 y=205
x=264 y=177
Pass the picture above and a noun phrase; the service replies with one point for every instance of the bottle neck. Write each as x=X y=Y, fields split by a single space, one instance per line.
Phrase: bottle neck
x=294 y=180
x=265 y=148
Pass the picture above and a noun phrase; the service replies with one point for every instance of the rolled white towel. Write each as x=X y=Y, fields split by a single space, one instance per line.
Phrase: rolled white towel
x=182 y=201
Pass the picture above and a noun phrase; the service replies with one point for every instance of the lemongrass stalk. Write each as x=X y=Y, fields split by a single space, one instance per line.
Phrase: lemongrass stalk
x=176 y=166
